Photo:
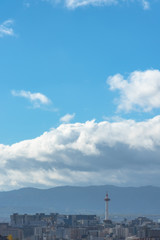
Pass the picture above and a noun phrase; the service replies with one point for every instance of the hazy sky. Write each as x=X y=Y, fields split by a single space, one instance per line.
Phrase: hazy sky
x=80 y=93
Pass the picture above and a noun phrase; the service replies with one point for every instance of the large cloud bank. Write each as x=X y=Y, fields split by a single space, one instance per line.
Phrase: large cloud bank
x=121 y=153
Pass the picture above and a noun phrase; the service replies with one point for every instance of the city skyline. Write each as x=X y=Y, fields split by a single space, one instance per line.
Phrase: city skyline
x=80 y=93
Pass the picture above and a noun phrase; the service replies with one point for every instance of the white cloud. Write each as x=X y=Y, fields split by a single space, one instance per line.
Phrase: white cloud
x=80 y=3
x=67 y=118
x=140 y=91
x=36 y=98
x=73 y=4
x=6 y=28
x=27 y=4
x=121 y=153
x=145 y=4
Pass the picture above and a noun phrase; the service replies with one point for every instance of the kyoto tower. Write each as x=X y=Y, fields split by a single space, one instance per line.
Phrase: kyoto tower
x=107 y=199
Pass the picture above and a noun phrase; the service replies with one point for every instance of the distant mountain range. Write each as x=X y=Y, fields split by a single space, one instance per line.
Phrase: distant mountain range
x=124 y=200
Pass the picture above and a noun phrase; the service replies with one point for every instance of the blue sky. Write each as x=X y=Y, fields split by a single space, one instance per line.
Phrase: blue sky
x=65 y=62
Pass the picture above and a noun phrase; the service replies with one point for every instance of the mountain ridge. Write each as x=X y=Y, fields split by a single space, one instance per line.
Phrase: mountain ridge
x=79 y=199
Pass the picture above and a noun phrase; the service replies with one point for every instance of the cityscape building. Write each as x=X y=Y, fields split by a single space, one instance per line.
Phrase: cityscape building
x=55 y=226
